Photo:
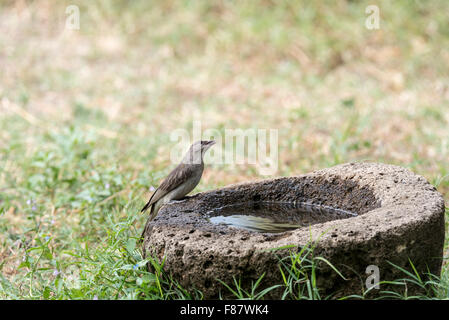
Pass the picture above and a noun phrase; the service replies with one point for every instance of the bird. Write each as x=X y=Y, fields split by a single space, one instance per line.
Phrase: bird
x=181 y=180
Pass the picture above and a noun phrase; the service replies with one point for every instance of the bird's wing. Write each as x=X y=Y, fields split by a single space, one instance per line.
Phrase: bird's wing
x=174 y=179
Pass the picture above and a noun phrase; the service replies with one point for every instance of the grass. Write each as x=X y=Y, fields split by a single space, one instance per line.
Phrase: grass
x=432 y=287
x=86 y=118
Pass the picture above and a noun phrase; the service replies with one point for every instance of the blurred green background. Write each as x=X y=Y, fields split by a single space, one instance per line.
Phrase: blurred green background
x=86 y=115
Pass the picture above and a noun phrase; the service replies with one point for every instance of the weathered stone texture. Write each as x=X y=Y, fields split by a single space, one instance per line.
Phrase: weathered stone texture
x=400 y=217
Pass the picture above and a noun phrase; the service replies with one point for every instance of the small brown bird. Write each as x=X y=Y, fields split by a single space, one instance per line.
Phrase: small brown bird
x=181 y=180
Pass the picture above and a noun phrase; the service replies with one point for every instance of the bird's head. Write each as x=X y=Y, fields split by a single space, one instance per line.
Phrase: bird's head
x=206 y=144
x=197 y=150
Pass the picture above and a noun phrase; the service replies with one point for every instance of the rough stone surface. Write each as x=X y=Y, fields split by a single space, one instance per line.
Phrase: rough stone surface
x=400 y=217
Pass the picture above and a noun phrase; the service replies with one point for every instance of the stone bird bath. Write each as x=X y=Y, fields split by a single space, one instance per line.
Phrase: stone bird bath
x=399 y=216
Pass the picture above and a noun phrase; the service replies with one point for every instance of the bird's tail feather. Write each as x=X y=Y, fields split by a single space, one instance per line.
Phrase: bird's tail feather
x=149 y=219
x=145 y=207
x=153 y=213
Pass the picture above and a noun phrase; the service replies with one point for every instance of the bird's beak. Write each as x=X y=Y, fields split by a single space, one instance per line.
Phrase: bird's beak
x=211 y=143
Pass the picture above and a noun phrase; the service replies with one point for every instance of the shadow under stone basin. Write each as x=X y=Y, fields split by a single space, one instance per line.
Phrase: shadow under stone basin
x=385 y=213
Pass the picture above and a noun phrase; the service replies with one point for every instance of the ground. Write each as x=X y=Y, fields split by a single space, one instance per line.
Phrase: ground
x=86 y=115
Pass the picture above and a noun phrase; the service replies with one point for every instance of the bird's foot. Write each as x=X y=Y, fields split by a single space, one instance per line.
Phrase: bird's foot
x=178 y=201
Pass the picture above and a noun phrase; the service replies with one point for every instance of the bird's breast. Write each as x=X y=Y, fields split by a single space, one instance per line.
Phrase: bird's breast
x=190 y=184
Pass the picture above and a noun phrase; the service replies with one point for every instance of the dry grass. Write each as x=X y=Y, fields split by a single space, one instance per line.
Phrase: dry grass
x=134 y=72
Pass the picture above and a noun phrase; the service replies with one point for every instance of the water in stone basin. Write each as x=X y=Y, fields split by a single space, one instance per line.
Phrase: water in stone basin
x=275 y=217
